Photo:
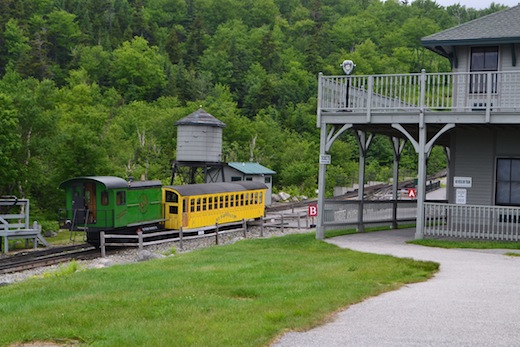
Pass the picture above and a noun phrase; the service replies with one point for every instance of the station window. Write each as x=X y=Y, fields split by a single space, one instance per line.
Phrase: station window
x=236 y=178
x=249 y=178
x=104 y=198
x=508 y=182
x=120 y=198
x=267 y=179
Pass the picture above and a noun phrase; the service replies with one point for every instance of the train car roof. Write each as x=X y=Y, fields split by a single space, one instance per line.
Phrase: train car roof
x=214 y=188
x=111 y=182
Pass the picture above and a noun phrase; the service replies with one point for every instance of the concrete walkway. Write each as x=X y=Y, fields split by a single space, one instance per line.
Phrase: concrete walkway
x=474 y=300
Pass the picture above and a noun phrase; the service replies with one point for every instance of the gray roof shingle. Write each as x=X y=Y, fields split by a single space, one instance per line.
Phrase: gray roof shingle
x=495 y=28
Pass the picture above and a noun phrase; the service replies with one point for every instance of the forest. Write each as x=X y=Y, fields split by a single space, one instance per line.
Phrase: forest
x=95 y=87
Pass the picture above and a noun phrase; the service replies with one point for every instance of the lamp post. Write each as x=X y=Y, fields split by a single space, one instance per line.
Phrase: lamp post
x=347 y=66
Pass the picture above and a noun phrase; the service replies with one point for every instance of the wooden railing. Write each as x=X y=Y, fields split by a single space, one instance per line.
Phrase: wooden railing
x=461 y=92
x=472 y=221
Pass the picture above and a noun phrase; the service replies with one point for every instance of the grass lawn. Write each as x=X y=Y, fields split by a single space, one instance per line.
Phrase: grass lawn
x=476 y=244
x=245 y=294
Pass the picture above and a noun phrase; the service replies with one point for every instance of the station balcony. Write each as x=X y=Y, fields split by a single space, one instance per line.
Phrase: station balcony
x=476 y=97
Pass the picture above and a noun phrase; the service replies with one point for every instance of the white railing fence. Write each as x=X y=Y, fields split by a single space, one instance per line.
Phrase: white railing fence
x=472 y=221
x=490 y=91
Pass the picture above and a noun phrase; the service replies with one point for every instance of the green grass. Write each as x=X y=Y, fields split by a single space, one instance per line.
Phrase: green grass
x=243 y=294
x=467 y=244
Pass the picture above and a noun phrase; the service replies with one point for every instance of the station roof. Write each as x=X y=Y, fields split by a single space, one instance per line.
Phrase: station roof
x=200 y=117
x=251 y=168
x=501 y=27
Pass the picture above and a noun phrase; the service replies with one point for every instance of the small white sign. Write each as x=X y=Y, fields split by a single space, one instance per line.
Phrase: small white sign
x=460 y=196
x=325 y=159
x=462 y=182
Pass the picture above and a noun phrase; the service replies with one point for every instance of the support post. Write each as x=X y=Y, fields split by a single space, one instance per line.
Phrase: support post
x=421 y=182
x=140 y=236
x=216 y=233
x=102 y=244
x=320 y=231
x=181 y=243
x=244 y=227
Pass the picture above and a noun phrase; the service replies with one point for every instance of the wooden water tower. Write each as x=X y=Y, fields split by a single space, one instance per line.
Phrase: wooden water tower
x=199 y=148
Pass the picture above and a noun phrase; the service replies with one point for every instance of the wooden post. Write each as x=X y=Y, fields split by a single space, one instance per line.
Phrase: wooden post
x=102 y=244
x=282 y=222
x=140 y=234
x=180 y=238
x=262 y=226
x=244 y=227
x=298 y=217
x=216 y=233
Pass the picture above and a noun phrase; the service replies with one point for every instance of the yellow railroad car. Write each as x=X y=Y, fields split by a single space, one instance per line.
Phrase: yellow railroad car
x=199 y=205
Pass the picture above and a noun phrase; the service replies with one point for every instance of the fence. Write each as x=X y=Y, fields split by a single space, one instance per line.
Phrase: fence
x=345 y=213
x=140 y=239
x=472 y=221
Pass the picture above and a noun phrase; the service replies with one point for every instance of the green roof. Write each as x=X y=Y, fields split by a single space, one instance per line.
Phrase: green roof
x=497 y=28
x=251 y=168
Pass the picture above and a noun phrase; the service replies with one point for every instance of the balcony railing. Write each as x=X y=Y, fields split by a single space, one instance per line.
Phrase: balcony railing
x=458 y=92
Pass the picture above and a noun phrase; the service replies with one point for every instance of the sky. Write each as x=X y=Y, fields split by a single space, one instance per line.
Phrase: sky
x=477 y=4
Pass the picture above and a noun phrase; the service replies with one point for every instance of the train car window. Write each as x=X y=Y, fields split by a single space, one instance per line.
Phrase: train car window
x=174 y=210
x=226 y=198
x=241 y=199
x=204 y=204
x=215 y=202
x=104 y=198
x=231 y=200
x=247 y=199
x=261 y=198
x=256 y=198
x=171 y=197
x=120 y=198
x=192 y=205
x=198 y=204
x=251 y=199
x=221 y=198
x=210 y=203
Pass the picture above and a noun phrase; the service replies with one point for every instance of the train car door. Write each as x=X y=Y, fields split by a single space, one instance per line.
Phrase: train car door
x=185 y=212
x=84 y=203
x=79 y=209
x=90 y=201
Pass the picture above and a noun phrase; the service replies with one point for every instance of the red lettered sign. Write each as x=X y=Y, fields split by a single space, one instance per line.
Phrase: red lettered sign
x=412 y=193
x=312 y=210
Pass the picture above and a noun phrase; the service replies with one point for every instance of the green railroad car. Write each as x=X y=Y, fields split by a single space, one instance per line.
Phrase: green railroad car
x=106 y=203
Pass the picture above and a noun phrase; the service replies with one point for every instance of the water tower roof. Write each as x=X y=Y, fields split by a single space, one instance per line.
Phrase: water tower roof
x=201 y=117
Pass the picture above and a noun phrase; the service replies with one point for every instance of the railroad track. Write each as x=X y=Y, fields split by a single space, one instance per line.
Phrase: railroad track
x=35 y=259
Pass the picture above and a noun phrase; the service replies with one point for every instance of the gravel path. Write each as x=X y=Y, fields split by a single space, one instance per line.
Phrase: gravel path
x=473 y=301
